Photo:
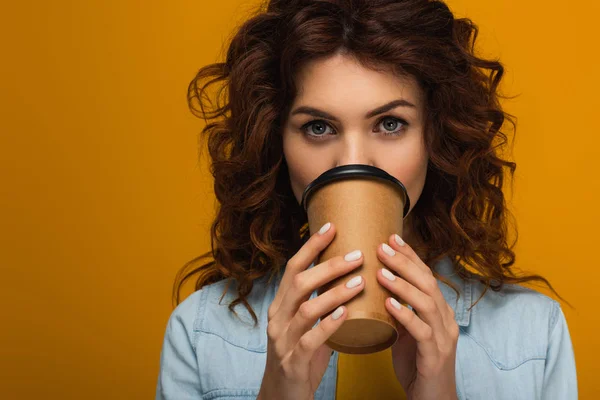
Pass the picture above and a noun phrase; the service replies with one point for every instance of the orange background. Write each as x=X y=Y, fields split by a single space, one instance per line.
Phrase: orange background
x=103 y=199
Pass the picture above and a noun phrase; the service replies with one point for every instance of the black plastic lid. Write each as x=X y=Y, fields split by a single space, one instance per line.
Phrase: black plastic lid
x=352 y=171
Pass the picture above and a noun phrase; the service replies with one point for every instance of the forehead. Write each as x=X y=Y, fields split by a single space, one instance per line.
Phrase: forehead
x=342 y=77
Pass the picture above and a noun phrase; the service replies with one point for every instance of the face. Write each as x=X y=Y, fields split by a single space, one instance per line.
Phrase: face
x=345 y=113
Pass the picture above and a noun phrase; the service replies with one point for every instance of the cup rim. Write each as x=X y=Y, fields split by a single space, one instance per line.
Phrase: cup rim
x=352 y=171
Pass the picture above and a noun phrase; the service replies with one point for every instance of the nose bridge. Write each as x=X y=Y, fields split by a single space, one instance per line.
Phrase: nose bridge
x=355 y=149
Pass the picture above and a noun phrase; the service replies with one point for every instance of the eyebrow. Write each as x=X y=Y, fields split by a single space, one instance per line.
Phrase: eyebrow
x=379 y=110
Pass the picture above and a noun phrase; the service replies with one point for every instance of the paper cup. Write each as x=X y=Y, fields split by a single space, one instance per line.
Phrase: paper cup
x=367 y=205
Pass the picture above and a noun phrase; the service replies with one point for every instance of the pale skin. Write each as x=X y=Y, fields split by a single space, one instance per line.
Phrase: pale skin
x=329 y=125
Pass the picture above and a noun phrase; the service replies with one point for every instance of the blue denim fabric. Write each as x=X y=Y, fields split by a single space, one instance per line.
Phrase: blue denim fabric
x=513 y=344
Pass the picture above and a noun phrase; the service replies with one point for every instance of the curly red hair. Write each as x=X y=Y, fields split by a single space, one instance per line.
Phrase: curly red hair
x=259 y=225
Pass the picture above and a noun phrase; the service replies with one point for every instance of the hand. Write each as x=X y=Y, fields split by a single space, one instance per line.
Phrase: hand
x=297 y=356
x=424 y=355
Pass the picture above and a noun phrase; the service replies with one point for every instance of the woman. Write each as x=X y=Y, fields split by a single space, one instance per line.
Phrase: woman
x=308 y=85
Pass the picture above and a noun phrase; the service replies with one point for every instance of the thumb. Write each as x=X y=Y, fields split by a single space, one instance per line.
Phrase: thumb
x=320 y=360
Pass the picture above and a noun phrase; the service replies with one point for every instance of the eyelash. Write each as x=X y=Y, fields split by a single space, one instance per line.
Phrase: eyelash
x=305 y=127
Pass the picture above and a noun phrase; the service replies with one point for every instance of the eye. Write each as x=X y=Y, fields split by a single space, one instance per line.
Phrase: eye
x=392 y=125
x=316 y=129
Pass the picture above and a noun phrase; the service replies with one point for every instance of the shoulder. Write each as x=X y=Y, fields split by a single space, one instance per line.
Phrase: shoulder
x=514 y=301
x=203 y=331
x=517 y=342
x=512 y=325
x=206 y=312
x=182 y=321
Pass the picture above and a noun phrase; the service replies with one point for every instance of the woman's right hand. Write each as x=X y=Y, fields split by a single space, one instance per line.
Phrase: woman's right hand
x=297 y=355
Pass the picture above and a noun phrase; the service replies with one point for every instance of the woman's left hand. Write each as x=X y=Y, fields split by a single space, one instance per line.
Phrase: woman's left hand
x=424 y=355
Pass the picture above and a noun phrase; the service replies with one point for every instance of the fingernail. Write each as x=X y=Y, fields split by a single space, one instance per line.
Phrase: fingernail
x=337 y=313
x=399 y=240
x=353 y=255
x=324 y=228
x=388 y=274
x=388 y=250
x=395 y=303
x=354 y=282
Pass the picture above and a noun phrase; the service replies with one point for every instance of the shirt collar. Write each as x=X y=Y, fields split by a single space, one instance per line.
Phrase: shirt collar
x=462 y=313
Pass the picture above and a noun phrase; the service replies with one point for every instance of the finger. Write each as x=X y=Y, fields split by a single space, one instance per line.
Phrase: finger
x=300 y=261
x=421 y=302
x=399 y=245
x=406 y=268
x=307 y=281
x=402 y=263
x=311 y=310
x=403 y=249
x=415 y=326
x=314 y=338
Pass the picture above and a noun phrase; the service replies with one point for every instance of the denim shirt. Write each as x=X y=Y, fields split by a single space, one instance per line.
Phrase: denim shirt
x=513 y=344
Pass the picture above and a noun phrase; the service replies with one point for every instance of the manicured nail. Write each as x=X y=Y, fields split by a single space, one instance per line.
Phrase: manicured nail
x=388 y=250
x=353 y=255
x=388 y=274
x=338 y=312
x=395 y=303
x=324 y=228
x=399 y=240
x=354 y=282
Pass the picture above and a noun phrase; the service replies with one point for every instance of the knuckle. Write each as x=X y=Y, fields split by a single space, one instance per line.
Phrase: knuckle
x=430 y=284
x=454 y=331
x=446 y=349
x=334 y=265
x=401 y=262
x=427 y=333
x=317 y=243
x=288 y=370
x=322 y=326
x=338 y=269
x=305 y=311
x=304 y=344
x=406 y=262
x=337 y=264
x=270 y=312
x=452 y=315
x=272 y=331
x=298 y=283
x=291 y=265
x=282 y=350
x=279 y=351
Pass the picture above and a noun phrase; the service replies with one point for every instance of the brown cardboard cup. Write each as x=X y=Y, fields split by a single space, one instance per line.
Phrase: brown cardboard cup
x=367 y=205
